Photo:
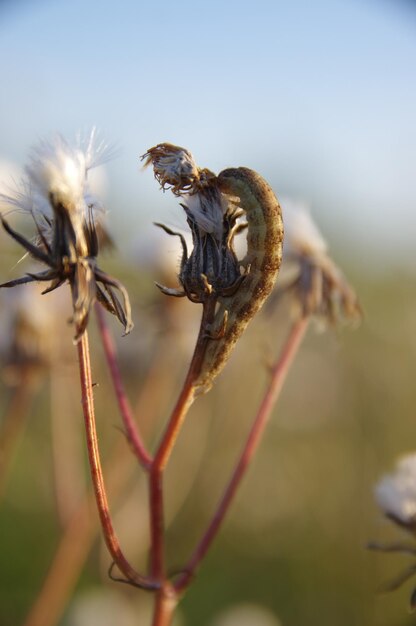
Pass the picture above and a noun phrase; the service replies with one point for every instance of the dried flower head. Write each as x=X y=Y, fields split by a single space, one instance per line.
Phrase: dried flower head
x=231 y=290
x=68 y=224
x=175 y=167
x=213 y=218
x=317 y=285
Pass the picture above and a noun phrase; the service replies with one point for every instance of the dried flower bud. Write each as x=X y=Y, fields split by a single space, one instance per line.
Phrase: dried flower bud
x=317 y=285
x=173 y=166
x=67 y=220
x=212 y=267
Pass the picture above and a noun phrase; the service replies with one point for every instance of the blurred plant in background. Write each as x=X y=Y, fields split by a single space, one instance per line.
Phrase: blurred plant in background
x=396 y=497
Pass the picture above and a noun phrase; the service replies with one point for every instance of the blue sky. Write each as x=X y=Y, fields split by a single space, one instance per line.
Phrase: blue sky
x=319 y=97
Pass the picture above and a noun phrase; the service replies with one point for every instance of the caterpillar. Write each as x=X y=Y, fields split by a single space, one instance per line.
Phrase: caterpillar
x=264 y=255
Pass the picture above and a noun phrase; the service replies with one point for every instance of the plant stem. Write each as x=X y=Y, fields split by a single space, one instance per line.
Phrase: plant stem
x=97 y=475
x=183 y=404
x=165 y=604
x=125 y=409
x=82 y=529
x=278 y=376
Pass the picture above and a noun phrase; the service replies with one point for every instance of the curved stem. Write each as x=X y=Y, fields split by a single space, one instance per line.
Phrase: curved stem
x=278 y=376
x=96 y=472
x=125 y=409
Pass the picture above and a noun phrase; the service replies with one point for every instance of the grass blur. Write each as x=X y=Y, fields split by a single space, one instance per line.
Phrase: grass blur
x=294 y=540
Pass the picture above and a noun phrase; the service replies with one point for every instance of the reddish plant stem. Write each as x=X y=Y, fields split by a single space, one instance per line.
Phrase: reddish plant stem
x=82 y=529
x=183 y=404
x=125 y=408
x=97 y=475
x=278 y=376
x=166 y=601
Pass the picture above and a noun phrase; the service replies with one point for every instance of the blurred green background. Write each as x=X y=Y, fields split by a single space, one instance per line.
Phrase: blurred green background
x=320 y=99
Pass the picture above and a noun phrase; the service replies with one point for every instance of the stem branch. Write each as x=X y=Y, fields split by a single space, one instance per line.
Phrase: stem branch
x=130 y=425
x=278 y=375
x=183 y=404
x=96 y=471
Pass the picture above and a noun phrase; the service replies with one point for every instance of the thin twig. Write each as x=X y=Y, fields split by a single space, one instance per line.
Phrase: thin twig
x=80 y=532
x=278 y=375
x=96 y=472
x=125 y=409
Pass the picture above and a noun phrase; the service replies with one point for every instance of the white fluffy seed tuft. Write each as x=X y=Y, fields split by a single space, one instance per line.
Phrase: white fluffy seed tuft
x=396 y=493
x=302 y=236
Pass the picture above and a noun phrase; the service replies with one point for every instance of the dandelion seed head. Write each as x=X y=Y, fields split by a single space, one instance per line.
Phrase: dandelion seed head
x=396 y=493
x=55 y=169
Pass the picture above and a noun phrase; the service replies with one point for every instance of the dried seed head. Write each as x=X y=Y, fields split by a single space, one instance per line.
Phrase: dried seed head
x=173 y=167
x=59 y=171
x=212 y=267
x=396 y=493
x=67 y=219
x=317 y=285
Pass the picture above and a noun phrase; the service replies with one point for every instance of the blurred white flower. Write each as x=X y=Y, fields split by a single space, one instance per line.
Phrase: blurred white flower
x=156 y=253
x=302 y=235
x=316 y=284
x=111 y=607
x=246 y=615
x=396 y=493
x=105 y=608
